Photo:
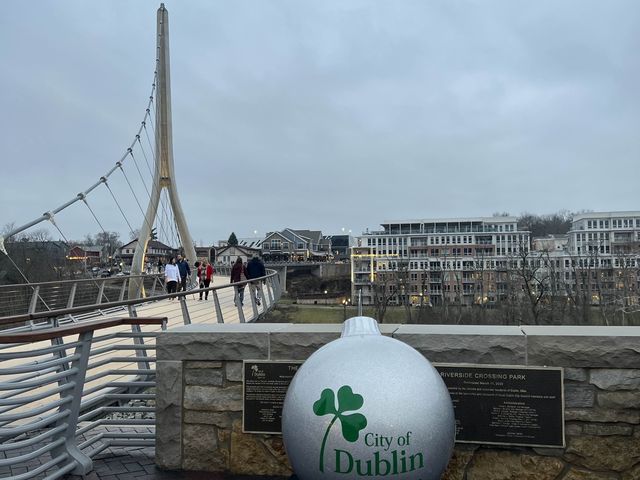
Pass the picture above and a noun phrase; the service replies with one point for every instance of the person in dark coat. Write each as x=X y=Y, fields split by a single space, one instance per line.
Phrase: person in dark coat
x=255 y=269
x=185 y=272
x=238 y=274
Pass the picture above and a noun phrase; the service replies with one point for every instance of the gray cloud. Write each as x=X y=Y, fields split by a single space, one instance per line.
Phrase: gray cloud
x=326 y=114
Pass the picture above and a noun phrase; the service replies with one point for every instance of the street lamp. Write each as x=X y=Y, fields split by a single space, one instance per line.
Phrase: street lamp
x=345 y=301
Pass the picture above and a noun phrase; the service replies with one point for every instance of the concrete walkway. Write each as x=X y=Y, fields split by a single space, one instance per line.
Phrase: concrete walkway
x=138 y=464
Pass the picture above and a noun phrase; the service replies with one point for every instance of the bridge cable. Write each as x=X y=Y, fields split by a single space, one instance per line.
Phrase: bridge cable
x=66 y=242
x=142 y=179
x=119 y=207
x=164 y=201
x=138 y=169
x=28 y=282
x=144 y=217
x=94 y=215
x=95 y=185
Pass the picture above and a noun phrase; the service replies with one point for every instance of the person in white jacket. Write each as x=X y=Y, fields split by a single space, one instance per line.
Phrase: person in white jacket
x=171 y=276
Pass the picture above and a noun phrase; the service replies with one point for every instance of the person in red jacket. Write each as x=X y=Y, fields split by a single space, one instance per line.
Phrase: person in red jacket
x=238 y=274
x=206 y=274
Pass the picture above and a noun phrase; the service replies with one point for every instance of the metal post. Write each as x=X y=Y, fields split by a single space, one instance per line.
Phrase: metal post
x=33 y=304
x=185 y=311
x=101 y=292
x=144 y=363
x=153 y=287
x=270 y=290
x=216 y=302
x=72 y=295
x=254 y=306
x=264 y=297
x=84 y=463
x=123 y=289
x=239 y=306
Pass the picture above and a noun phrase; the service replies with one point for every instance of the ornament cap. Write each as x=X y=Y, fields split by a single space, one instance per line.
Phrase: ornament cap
x=359 y=326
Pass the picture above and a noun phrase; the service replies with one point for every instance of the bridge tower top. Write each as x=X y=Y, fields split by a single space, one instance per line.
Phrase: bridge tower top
x=164 y=175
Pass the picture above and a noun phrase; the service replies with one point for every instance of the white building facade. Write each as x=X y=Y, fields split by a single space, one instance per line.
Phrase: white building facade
x=437 y=258
x=483 y=260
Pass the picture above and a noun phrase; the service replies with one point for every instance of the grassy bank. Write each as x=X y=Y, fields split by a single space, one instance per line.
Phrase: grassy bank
x=287 y=312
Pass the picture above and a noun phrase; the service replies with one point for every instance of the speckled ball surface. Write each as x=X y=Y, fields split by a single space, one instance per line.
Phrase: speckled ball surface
x=368 y=406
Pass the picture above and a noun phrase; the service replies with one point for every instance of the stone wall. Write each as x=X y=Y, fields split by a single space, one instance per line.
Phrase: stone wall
x=199 y=395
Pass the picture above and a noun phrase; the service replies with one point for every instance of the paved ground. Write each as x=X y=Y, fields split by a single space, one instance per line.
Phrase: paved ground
x=138 y=464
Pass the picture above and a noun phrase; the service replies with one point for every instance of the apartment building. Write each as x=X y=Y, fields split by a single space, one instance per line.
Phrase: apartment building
x=427 y=260
x=484 y=260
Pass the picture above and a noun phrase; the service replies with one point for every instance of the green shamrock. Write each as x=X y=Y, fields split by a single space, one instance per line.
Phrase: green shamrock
x=347 y=402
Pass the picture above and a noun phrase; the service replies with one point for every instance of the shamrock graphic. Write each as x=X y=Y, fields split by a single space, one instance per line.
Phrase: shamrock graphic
x=347 y=402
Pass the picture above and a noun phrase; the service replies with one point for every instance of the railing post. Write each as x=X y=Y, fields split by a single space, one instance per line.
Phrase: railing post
x=123 y=289
x=239 y=305
x=185 y=311
x=216 y=302
x=265 y=299
x=270 y=290
x=153 y=287
x=72 y=295
x=252 y=292
x=277 y=289
x=100 y=292
x=70 y=447
x=33 y=304
x=143 y=364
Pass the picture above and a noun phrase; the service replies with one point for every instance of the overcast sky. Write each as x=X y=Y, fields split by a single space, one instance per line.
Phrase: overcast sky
x=326 y=114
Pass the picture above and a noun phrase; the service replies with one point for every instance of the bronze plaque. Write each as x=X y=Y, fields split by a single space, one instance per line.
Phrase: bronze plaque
x=506 y=405
x=265 y=385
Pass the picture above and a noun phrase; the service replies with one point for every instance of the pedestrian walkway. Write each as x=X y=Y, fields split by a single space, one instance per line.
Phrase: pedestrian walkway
x=138 y=464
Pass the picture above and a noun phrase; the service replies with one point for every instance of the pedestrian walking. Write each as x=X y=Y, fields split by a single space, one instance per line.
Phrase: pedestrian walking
x=255 y=269
x=185 y=272
x=206 y=276
x=171 y=277
x=238 y=274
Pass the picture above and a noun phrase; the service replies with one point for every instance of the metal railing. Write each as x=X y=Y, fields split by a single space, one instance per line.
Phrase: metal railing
x=71 y=389
x=47 y=296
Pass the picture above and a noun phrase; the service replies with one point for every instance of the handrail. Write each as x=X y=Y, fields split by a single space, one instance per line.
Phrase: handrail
x=136 y=301
x=77 y=328
x=80 y=280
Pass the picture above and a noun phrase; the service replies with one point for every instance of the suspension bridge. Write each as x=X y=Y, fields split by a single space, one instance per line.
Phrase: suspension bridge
x=77 y=372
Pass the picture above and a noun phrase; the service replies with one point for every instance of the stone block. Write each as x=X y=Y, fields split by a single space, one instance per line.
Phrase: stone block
x=633 y=474
x=504 y=465
x=619 y=399
x=602 y=453
x=579 y=396
x=203 y=376
x=234 y=371
x=189 y=365
x=213 y=399
x=472 y=344
x=201 y=450
x=169 y=414
x=298 y=342
x=201 y=342
x=257 y=454
x=573 y=429
x=458 y=463
x=602 y=347
x=575 y=474
x=575 y=374
x=616 y=379
x=606 y=429
x=219 y=419
x=599 y=415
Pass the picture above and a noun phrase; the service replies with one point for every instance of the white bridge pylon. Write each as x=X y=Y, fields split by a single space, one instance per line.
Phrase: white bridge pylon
x=164 y=175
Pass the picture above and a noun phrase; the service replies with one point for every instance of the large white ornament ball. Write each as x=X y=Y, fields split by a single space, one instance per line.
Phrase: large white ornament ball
x=368 y=406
